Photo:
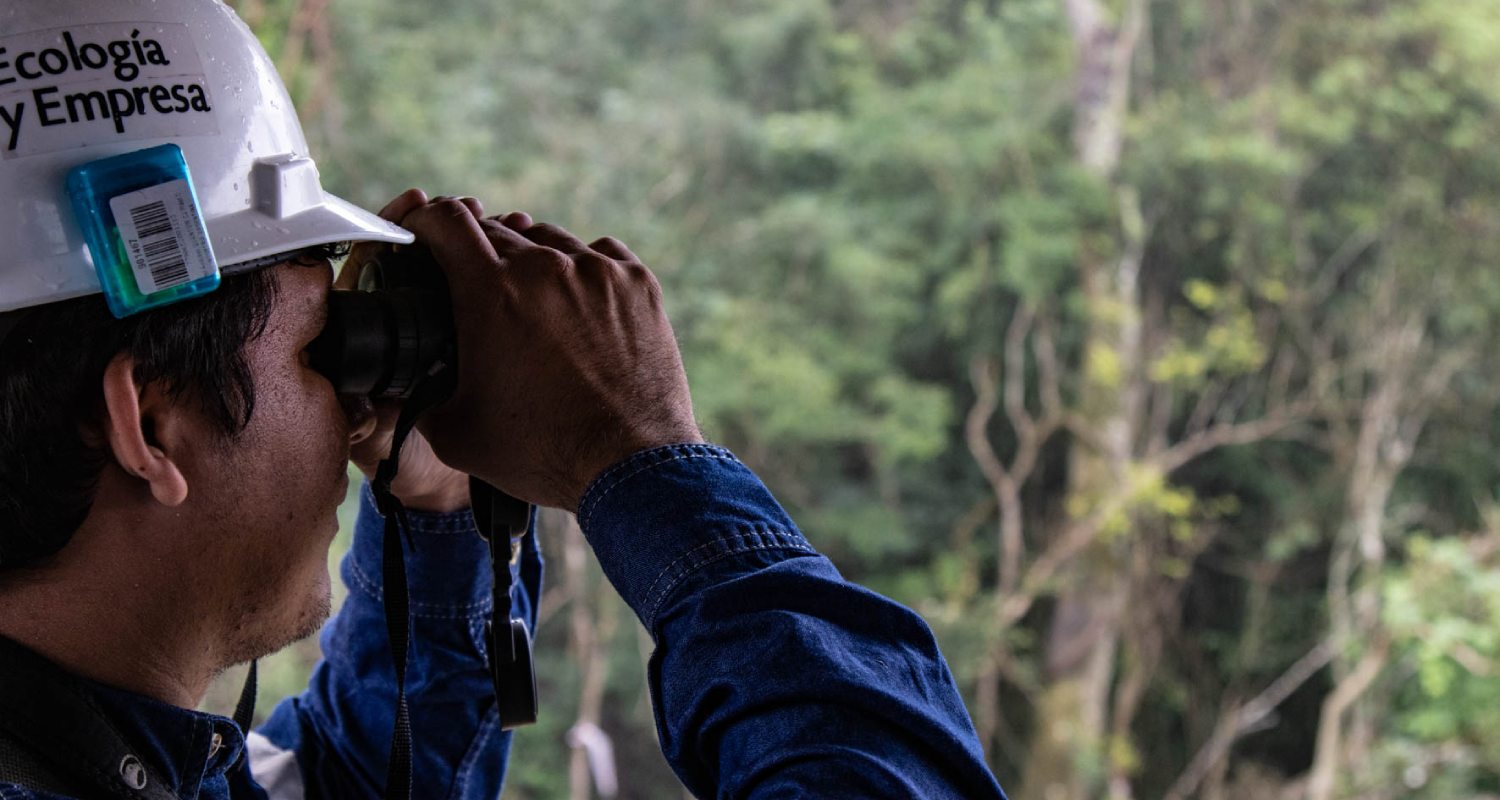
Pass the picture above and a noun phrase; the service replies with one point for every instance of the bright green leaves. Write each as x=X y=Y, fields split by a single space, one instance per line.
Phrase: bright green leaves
x=1218 y=340
x=1443 y=605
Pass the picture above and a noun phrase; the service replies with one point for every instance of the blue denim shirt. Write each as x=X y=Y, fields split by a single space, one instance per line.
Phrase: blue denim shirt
x=772 y=675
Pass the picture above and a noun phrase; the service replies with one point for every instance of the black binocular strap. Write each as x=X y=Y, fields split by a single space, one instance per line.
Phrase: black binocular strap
x=244 y=710
x=396 y=592
x=501 y=520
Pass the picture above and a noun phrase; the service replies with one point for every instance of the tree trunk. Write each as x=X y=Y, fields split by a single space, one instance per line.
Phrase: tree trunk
x=1065 y=761
x=1406 y=379
x=1068 y=745
x=1067 y=753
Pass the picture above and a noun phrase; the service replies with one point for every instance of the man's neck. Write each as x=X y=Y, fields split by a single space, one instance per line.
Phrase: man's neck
x=114 y=615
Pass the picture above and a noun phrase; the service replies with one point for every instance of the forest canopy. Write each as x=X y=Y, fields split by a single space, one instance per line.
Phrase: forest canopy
x=1144 y=347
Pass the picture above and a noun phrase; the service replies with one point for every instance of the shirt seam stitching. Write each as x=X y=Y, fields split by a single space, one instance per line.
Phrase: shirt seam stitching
x=593 y=503
x=645 y=455
x=473 y=610
x=487 y=728
x=434 y=522
x=780 y=540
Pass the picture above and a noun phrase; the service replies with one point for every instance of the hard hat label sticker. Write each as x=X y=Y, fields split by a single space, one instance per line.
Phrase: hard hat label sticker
x=67 y=87
x=163 y=235
x=144 y=228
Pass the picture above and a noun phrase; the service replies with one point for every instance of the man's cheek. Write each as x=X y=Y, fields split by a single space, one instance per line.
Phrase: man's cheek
x=340 y=412
x=336 y=436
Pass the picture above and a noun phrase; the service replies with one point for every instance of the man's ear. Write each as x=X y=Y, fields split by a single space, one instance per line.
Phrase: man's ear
x=137 y=418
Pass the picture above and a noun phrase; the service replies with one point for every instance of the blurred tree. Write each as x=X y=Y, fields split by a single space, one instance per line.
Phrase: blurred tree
x=1188 y=303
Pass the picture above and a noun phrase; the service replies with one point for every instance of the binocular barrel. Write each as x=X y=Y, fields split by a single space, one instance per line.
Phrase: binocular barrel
x=381 y=342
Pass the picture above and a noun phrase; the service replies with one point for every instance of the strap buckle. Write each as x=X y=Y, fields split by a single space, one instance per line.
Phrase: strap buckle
x=513 y=671
x=503 y=521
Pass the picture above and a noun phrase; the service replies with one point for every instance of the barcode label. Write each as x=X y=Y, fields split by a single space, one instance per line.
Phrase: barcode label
x=159 y=246
x=164 y=236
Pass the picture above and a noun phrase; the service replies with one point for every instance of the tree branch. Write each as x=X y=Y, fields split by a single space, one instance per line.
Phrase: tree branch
x=1031 y=434
x=1048 y=384
x=1205 y=409
x=1244 y=719
x=1074 y=539
x=1003 y=485
x=1332 y=271
x=1015 y=369
x=1229 y=433
x=986 y=401
x=1321 y=778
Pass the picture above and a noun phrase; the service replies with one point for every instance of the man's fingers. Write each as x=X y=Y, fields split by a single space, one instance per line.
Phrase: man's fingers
x=363 y=252
x=505 y=238
x=404 y=203
x=459 y=235
x=612 y=247
x=548 y=235
x=516 y=220
x=472 y=203
x=454 y=235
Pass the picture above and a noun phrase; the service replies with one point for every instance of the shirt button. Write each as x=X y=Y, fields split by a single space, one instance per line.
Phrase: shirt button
x=133 y=772
x=215 y=745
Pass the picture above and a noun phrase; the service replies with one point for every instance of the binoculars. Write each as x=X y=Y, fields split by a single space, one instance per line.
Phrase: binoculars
x=383 y=340
x=393 y=338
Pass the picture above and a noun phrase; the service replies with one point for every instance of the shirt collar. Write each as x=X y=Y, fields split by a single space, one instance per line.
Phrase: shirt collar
x=185 y=748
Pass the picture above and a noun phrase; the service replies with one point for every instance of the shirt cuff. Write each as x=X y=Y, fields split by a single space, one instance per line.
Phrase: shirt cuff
x=678 y=518
x=447 y=566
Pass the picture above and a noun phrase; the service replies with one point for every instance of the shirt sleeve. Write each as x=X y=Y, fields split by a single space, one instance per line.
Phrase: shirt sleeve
x=334 y=739
x=772 y=675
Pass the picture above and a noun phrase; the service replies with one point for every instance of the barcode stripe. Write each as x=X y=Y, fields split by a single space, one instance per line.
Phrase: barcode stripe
x=151 y=220
x=159 y=245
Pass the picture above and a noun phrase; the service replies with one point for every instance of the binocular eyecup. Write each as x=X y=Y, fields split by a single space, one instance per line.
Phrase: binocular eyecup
x=381 y=341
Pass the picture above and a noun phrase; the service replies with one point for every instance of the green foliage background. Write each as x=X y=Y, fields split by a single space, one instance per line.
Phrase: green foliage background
x=848 y=202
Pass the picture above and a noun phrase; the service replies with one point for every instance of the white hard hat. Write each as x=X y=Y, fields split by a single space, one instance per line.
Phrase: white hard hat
x=82 y=80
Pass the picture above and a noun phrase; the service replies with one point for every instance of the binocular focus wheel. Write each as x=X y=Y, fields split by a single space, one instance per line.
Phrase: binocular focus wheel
x=515 y=679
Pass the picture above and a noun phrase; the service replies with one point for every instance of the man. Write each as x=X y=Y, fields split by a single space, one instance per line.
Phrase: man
x=168 y=480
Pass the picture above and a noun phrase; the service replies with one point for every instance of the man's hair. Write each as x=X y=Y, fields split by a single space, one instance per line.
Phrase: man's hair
x=51 y=399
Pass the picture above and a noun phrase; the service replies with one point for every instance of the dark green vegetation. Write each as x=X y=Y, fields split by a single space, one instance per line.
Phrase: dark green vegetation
x=1144 y=347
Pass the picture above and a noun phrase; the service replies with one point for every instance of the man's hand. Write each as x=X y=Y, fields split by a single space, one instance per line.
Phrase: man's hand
x=423 y=482
x=567 y=363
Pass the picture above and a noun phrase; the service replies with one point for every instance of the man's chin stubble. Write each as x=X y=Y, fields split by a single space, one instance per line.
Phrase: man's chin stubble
x=264 y=643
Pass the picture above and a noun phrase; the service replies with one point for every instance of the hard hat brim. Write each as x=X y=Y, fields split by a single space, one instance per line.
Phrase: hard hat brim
x=249 y=237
